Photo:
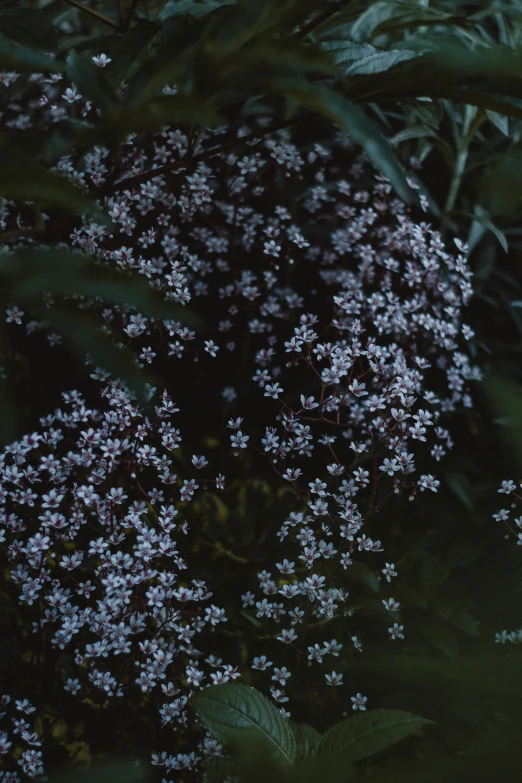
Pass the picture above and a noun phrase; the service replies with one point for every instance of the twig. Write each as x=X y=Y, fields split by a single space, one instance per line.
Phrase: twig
x=130 y=14
x=93 y=12
x=124 y=184
x=318 y=20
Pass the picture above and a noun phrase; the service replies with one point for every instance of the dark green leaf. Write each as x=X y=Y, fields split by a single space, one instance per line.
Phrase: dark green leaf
x=169 y=110
x=456 y=614
x=127 y=50
x=419 y=19
x=233 y=712
x=499 y=121
x=189 y=7
x=440 y=635
x=24 y=59
x=8 y=411
x=92 y=83
x=307 y=739
x=22 y=177
x=417 y=132
x=115 y=771
x=481 y=217
x=377 y=63
x=464 y=552
x=459 y=484
x=342 y=51
x=82 y=333
x=430 y=112
x=367 y=734
x=369 y=19
x=28 y=27
x=353 y=121
x=73 y=274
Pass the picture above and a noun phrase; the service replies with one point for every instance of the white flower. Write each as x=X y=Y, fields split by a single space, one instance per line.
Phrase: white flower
x=359 y=702
x=101 y=60
x=334 y=679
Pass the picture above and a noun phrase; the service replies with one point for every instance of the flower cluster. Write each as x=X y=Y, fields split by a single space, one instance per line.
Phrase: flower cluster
x=513 y=523
x=101 y=554
x=329 y=311
x=15 y=714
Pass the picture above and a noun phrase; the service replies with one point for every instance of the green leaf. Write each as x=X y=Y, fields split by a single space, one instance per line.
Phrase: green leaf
x=500 y=186
x=172 y=58
x=82 y=333
x=380 y=62
x=342 y=51
x=128 y=49
x=22 y=177
x=481 y=218
x=430 y=112
x=8 y=410
x=492 y=674
x=92 y=83
x=456 y=614
x=459 y=484
x=73 y=274
x=236 y=713
x=115 y=771
x=368 y=21
x=25 y=59
x=366 y=734
x=417 y=132
x=352 y=120
x=440 y=636
x=189 y=7
x=499 y=121
x=28 y=27
x=361 y=572
x=307 y=739
x=464 y=552
x=169 y=110
x=407 y=21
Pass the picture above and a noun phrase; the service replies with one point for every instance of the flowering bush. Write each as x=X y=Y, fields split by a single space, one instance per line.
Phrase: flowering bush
x=345 y=316
x=303 y=331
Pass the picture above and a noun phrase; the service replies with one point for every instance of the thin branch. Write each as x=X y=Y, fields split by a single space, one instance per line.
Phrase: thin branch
x=318 y=20
x=124 y=184
x=130 y=14
x=93 y=12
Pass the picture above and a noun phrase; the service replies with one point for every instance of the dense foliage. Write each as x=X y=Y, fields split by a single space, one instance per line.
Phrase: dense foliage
x=259 y=270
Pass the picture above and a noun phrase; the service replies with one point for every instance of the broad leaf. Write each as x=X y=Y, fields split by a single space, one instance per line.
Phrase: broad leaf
x=25 y=59
x=92 y=83
x=190 y=8
x=65 y=273
x=169 y=110
x=22 y=177
x=440 y=635
x=429 y=111
x=366 y=734
x=456 y=614
x=499 y=121
x=353 y=121
x=343 y=51
x=28 y=27
x=377 y=63
x=129 y=48
x=83 y=334
x=307 y=739
x=481 y=219
x=408 y=21
x=124 y=770
x=368 y=21
x=236 y=713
